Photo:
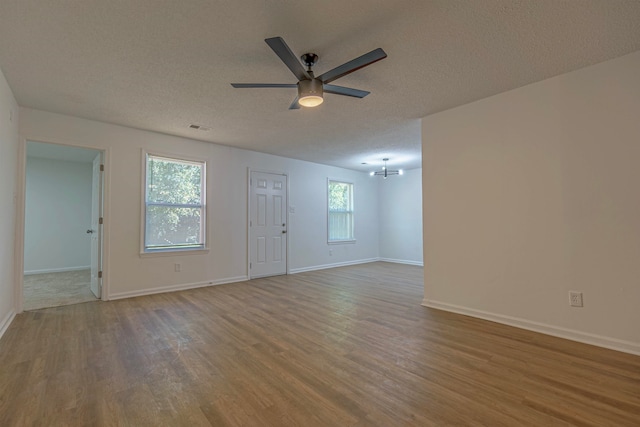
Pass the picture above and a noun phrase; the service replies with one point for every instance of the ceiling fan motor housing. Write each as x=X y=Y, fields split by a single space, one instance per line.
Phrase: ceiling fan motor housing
x=310 y=92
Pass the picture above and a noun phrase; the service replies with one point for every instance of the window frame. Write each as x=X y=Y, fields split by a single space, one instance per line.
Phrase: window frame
x=352 y=238
x=174 y=250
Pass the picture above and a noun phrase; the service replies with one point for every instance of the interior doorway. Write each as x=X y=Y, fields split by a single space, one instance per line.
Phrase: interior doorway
x=62 y=225
x=267 y=224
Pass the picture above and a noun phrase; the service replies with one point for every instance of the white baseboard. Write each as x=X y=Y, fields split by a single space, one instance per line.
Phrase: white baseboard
x=402 y=261
x=57 y=270
x=174 y=288
x=4 y=324
x=337 y=264
x=570 y=334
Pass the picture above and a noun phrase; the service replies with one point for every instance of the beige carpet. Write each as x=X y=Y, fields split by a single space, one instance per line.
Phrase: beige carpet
x=55 y=289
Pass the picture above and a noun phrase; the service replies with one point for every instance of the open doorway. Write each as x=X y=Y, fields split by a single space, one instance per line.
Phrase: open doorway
x=63 y=202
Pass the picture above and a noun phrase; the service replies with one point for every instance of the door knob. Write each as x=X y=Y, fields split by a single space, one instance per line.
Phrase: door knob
x=89 y=231
x=284 y=231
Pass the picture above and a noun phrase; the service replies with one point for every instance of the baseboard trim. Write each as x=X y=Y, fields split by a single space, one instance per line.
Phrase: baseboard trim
x=334 y=265
x=570 y=334
x=6 y=322
x=402 y=261
x=174 y=288
x=56 y=270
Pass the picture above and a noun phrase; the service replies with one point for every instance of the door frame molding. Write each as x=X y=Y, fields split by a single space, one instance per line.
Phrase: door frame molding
x=286 y=175
x=21 y=188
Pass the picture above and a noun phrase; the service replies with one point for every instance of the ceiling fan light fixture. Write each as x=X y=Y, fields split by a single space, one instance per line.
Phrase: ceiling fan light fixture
x=310 y=93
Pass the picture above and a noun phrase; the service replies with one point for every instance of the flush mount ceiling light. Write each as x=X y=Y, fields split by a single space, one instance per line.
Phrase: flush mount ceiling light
x=386 y=172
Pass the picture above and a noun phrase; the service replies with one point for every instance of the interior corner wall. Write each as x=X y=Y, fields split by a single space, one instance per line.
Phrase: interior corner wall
x=534 y=193
x=8 y=173
x=57 y=215
x=128 y=273
x=400 y=207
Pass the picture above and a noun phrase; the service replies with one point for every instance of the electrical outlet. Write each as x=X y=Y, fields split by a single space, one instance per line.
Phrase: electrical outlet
x=177 y=268
x=330 y=252
x=575 y=299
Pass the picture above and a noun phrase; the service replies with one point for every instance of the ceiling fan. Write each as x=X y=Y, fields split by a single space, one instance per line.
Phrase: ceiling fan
x=311 y=88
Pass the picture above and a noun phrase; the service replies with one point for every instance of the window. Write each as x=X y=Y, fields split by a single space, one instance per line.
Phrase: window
x=340 y=211
x=174 y=204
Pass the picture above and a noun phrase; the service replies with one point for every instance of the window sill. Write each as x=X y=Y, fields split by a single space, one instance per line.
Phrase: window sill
x=340 y=242
x=174 y=252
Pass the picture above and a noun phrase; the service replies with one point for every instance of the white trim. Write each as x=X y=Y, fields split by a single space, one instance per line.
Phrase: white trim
x=174 y=252
x=341 y=242
x=57 y=270
x=556 y=331
x=6 y=322
x=179 y=287
x=402 y=261
x=337 y=264
x=19 y=225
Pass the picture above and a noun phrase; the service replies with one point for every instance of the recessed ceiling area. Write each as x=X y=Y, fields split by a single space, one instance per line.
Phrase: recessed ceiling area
x=163 y=67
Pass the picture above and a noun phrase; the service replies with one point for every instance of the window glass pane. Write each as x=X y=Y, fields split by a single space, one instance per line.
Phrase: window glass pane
x=339 y=196
x=170 y=226
x=340 y=226
x=173 y=182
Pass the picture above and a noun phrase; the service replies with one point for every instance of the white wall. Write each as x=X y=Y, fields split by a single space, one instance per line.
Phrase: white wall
x=535 y=192
x=8 y=172
x=400 y=207
x=127 y=273
x=57 y=215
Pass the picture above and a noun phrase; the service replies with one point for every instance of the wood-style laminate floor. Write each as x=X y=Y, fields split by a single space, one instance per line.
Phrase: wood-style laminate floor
x=56 y=289
x=348 y=346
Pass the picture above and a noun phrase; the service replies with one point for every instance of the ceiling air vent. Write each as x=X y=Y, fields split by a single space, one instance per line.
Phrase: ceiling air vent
x=199 y=127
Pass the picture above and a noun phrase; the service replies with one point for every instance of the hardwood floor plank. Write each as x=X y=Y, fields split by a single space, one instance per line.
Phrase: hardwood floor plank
x=349 y=346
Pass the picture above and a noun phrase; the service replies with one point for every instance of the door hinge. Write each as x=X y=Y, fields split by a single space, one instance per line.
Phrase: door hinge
x=250 y=223
x=99 y=274
x=101 y=168
x=250 y=266
x=100 y=220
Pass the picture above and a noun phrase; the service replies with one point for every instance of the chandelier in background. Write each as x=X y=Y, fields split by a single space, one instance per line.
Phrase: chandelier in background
x=385 y=172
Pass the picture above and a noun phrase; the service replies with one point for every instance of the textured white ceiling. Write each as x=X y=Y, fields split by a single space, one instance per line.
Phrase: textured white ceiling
x=162 y=65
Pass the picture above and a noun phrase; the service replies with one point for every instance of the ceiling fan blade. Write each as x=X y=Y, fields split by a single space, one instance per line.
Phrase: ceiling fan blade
x=347 y=91
x=282 y=50
x=249 y=85
x=295 y=105
x=353 y=65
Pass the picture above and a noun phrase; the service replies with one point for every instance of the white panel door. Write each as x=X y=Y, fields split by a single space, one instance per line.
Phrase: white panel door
x=96 y=227
x=267 y=224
